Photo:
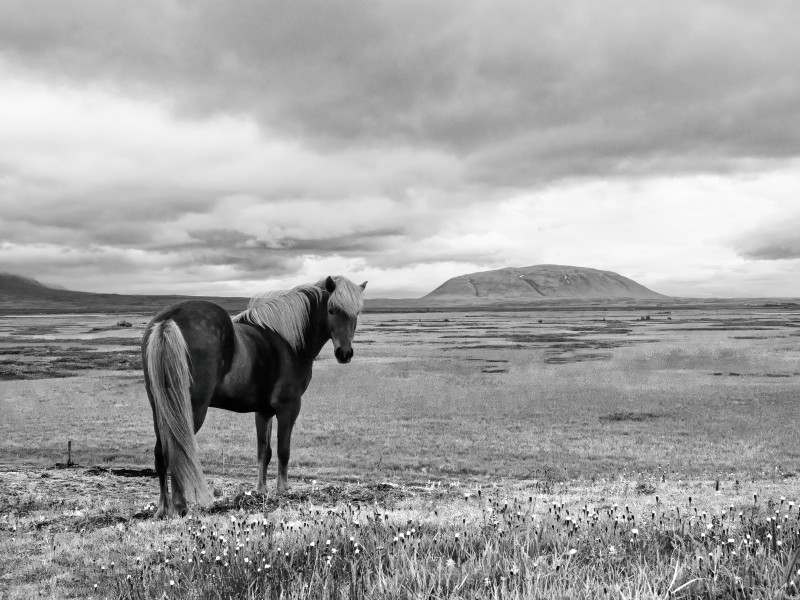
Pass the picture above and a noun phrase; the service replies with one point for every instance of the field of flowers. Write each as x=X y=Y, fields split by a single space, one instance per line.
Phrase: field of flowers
x=501 y=548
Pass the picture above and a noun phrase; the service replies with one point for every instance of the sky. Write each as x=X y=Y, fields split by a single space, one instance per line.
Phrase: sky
x=221 y=148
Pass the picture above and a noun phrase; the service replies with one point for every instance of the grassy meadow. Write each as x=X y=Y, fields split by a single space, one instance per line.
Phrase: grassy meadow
x=679 y=424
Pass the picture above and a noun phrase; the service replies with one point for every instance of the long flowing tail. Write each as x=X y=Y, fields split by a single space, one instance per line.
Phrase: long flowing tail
x=170 y=380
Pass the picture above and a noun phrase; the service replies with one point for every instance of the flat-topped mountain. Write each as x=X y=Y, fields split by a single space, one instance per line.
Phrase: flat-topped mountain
x=541 y=281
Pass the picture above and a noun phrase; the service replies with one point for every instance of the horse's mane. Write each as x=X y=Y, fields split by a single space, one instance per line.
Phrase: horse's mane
x=287 y=313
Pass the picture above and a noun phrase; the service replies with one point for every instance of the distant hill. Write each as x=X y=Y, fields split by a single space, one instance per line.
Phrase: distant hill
x=509 y=287
x=540 y=281
x=23 y=294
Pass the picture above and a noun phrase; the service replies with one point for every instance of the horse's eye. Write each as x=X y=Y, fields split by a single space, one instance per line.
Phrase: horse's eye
x=331 y=311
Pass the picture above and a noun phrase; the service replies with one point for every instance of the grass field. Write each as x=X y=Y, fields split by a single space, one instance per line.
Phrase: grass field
x=585 y=407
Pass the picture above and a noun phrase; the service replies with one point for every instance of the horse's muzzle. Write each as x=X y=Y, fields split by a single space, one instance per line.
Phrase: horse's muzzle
x=343 y=356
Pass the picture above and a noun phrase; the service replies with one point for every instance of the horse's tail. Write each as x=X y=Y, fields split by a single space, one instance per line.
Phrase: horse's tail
x=170 y=379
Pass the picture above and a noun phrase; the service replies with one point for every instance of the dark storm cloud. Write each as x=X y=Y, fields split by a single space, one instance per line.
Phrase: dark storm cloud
x=521 y=92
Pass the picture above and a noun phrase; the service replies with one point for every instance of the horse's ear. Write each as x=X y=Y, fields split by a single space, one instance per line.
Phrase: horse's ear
x=330 y=284
x=363 y=286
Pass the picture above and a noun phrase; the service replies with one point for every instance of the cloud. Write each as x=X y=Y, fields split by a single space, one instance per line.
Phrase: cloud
x=775 y=240
x=157 y=145
x=519 y=92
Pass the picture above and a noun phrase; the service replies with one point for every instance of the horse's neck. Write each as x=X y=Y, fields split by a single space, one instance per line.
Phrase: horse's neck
x=318 y=333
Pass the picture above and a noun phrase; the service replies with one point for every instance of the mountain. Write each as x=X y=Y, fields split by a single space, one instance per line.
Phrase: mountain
x=23 y=294
x=18 y=288
x=540 y=281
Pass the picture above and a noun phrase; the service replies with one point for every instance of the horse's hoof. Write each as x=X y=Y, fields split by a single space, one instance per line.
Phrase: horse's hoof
x=160 y=513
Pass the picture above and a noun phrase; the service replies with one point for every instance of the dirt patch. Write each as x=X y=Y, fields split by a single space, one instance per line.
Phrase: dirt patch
x=645 y=489
x=60 y=499
x=630 y=416
x=121 y=472
x=381 y=493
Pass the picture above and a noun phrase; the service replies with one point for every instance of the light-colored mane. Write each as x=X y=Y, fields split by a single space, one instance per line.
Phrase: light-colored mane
x=347 y=297
x=287 y=313
x=284 y=312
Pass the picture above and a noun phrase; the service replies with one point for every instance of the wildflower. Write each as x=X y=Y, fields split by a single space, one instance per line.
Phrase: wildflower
x=635 y=532
x=612 y=550
x=572 y=551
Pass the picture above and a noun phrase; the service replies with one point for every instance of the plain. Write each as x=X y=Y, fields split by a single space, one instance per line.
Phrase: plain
x=591 y=406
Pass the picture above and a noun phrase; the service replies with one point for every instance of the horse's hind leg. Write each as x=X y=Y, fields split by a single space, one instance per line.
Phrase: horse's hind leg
x=179 y=505
x=263 y=435
x=161 y=470
x=161 y=465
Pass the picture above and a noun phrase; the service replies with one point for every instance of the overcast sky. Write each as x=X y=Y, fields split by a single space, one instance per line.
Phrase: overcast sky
x=232 y=147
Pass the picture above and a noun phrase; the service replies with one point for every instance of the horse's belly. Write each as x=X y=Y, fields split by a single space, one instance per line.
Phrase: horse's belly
x=241 y=405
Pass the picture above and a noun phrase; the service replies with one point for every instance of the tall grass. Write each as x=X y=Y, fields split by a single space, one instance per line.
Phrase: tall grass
x=496 y=549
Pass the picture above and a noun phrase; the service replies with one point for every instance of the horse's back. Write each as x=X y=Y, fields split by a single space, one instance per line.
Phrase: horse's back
x=209 y=335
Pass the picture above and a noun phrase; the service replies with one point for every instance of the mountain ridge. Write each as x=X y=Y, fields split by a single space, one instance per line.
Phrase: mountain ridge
x=19 y=293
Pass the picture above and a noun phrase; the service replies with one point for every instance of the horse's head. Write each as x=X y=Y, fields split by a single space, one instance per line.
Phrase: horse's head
x=344 y=304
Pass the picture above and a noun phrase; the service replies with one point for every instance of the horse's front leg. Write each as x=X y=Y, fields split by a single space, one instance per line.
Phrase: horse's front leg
x=286 y=419
x=263 y=435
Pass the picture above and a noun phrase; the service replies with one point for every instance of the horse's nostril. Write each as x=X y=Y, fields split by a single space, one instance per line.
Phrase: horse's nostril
x=342 y=355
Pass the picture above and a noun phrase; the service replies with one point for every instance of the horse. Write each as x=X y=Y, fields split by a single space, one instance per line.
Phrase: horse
x=196 y=356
